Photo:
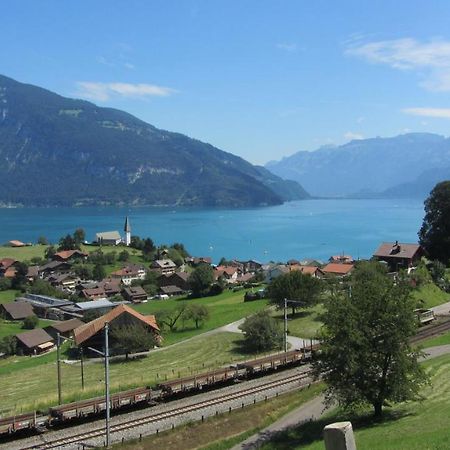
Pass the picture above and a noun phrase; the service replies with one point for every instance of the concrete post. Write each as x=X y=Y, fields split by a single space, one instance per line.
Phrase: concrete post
x=339 y=436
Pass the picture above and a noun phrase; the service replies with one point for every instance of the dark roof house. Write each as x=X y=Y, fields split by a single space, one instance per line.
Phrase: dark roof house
x=34 y=341
x=64 y=327
x=134 y=294
x=399 y=255
x=16 y=310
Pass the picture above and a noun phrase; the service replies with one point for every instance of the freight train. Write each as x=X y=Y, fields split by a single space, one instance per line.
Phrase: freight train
x=39 y=421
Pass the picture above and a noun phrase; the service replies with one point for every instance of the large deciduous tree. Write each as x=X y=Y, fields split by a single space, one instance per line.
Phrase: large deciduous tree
x=197 y=313
x=296 y=286
x=200 y=280
x=131 y=339
x=365 y=354
x=262 y=332
x=434 y=235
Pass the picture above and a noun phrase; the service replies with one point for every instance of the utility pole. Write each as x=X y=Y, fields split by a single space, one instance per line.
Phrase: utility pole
x=82 y=368
x=285 y=325
x=107 y=383
x=58 y=366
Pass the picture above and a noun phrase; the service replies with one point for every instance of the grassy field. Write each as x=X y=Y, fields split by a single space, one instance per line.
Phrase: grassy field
x=431 y=295
x=8 y=296
x=306 y=322
x=38 y=251
x=223 y=309
x=8 y=327
x=27 y=388
x=418 y=425
x=224 y=431
x=443 y=339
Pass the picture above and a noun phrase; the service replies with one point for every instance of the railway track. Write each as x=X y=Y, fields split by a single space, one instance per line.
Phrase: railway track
x=152 y=418
x=431 y=331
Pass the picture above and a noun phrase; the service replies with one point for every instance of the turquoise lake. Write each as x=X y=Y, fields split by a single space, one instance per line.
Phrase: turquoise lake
x=304 y=229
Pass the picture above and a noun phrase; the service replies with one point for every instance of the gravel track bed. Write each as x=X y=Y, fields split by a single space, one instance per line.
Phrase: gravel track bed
x=166 y=424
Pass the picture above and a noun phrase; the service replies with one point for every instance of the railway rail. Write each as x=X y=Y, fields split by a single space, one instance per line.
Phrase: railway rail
x=304 y=378
x=431 y=331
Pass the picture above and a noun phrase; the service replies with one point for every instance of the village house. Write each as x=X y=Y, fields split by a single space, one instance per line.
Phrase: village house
x=251 y=266
x=337 y=269
x=91 y=334
x=315 y=272
x=272 y=271
x=129 y=273
x=64 y=328
x=69 y=255
x=399 y=255
x=7 y=267
x=196 y=260
x=171 y=290
x=164 y=266
x=99 y=289
x=17 y=310
x=178 y=279
x=341 y=259
x=32 y=273
x=227 y=273
x=34 y=342
x=54 y=268
x=66 y=282
x=134 y=294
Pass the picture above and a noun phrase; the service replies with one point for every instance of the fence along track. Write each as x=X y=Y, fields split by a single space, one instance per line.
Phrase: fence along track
x=151 y=418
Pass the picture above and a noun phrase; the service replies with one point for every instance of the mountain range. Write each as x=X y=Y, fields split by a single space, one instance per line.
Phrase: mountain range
x=57 y=151
x=408 y=165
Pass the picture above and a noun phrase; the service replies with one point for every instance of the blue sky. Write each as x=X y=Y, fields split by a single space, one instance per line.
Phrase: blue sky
x=260 y=79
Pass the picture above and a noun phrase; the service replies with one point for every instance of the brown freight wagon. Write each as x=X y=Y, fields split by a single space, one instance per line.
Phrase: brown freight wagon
x=96 y=405
x=30 y=421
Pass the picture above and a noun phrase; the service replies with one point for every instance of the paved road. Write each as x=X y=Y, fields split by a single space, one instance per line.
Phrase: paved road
x=312 y=410
x=442 y=310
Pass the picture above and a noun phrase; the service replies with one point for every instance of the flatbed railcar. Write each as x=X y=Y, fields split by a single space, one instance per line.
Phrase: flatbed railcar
x=29 y=421
x=273 y=362
x=96 y=405
x=37 y=421
x=200 y=381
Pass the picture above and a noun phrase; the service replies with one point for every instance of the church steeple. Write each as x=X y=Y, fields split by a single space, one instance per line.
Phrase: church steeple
x=127 y=229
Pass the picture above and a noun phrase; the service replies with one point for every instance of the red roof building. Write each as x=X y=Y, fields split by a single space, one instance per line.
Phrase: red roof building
x=338 y=269
x=91 y=333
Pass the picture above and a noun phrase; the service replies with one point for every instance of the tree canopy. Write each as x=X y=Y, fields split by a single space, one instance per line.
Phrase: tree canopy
x=434 y=234
x=297 y=286
x=262 y=332
x=200 y=280
x=131 y=338
x=365 y=354
x=197 y=313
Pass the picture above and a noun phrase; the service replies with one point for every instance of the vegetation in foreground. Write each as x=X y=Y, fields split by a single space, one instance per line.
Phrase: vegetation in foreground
x=365 y=357
x=416 y=425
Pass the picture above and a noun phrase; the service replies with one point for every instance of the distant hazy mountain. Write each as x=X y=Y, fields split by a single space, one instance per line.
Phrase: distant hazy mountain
x=61 y=151
x=407 y=166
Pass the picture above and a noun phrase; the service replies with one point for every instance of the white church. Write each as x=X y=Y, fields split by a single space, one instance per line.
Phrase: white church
x=114 y=237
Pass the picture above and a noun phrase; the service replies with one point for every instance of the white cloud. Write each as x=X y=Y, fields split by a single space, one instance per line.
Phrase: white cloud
x=431 y=57
x=441 y=113
x=105 y=91
x=353 y=136
x=360 y=119
x=129 y=66
x=287 y=46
